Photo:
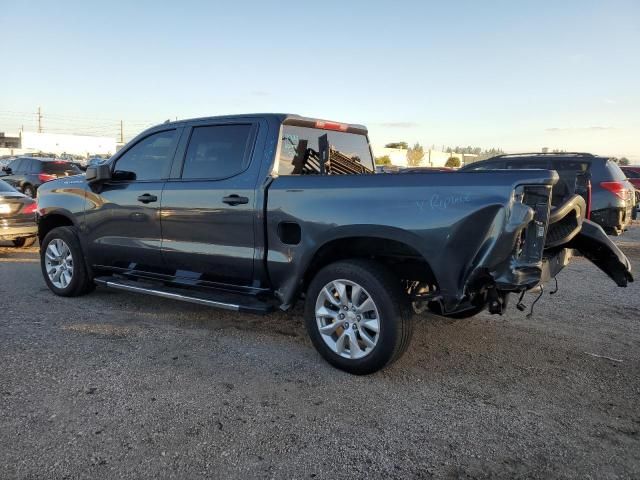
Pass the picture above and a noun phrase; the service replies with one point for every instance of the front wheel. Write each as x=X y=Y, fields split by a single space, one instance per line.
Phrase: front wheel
x=358 y=316
x=63 y=265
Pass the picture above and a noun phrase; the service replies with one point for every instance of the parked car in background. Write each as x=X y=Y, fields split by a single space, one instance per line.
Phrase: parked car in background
x=633 y=175
x=6 y=160
x=255 y=212
x=26 y=174
x=17 y=216
x=426 y=170
x=610 y=197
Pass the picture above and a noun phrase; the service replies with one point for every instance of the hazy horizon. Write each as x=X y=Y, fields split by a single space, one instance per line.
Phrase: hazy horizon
x=513 y=75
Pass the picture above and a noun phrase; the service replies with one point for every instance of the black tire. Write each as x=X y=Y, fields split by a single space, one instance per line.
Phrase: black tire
x=395 y=322
x=81 y=281
x=29 y=191
x=24 y=242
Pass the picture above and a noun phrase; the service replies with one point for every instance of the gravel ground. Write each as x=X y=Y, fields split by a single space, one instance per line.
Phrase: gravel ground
x=116 y=385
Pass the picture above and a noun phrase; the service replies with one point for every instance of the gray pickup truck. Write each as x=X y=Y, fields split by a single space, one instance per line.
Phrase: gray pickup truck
x=254 y=212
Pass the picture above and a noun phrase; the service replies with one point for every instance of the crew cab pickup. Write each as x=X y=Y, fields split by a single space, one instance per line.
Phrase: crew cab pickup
x=254 y=212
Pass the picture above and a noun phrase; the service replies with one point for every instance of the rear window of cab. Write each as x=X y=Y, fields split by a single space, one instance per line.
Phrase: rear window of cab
x=296 y=140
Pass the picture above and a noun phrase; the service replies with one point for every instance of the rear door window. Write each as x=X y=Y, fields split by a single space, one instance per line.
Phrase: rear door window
x=578 y=166
x=217 y=151
x=298 y=143
x=527 y=163
x=485 y=166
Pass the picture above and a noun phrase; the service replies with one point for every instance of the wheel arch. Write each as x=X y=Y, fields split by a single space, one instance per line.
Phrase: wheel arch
x=399 y=250
x=48 y=222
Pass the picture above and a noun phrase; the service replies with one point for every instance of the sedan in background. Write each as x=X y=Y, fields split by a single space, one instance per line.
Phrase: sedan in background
x=17 y=217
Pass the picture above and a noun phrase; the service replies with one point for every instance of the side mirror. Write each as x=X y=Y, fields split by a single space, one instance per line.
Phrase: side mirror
x=7 y=170
x=98 y=173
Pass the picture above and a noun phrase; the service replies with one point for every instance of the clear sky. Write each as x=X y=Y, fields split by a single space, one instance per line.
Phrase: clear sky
x=519 y=75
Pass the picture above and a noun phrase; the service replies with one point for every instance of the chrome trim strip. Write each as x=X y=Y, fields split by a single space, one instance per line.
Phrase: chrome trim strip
x=170 y=295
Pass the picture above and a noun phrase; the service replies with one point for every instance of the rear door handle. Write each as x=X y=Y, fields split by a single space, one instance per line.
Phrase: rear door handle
x=147 y=198
x=235 y=200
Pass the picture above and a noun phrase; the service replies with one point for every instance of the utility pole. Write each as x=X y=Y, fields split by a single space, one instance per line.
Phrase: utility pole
x=39 y=120
x=121 y=132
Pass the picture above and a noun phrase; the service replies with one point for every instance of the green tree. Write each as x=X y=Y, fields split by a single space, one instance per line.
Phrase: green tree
x=452 y=162
x=403 y=145
x=383 y=160
x=624 y=161
x=415 y=155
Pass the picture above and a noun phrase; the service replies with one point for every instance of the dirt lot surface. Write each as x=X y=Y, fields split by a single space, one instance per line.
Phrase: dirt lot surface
x=115 y=385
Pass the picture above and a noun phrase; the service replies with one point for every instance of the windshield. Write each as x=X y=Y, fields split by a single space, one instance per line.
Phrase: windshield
x=6 y=188
x=300 y=143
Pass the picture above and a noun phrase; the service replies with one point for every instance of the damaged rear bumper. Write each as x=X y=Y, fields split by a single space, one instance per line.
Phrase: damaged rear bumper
x=542 y=248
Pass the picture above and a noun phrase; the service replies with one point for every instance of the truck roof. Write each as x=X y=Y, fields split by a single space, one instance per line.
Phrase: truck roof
x=286 y=118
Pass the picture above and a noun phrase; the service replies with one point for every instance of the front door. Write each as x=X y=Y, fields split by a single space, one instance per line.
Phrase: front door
x=123 y=215
x=208 y=211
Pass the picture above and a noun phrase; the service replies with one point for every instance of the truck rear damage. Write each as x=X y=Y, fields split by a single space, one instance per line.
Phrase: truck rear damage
x=538 y=240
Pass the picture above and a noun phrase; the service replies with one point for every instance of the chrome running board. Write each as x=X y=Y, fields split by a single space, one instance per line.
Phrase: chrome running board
x=158 y=292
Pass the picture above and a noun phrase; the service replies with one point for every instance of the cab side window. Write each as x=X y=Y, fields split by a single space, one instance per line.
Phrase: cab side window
x=486 y=166
x=217 y=151
x=149 y=159
x=528 y=163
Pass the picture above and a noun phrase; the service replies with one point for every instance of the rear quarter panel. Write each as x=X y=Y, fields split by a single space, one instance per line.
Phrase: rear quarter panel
x=452 y=219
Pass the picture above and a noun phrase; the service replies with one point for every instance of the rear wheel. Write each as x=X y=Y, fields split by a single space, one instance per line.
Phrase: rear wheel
x=358 y=316
x=63 y=265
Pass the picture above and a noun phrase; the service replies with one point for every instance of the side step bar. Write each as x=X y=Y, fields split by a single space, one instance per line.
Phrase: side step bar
x=223 y=300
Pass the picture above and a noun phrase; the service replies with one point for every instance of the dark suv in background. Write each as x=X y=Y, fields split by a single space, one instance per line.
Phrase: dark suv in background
x=609 y=195
x=28 y=173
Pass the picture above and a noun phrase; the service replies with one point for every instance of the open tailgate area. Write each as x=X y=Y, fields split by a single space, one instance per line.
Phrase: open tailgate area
x=595 y=245
x=568 y=229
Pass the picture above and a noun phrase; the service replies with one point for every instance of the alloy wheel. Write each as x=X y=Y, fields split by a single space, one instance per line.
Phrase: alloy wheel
x=59 y=263
x=348 y=319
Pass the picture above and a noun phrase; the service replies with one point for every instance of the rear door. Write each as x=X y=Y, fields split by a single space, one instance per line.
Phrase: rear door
x=210 y=207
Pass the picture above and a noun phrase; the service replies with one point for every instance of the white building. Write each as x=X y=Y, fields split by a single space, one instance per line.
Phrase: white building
x=57 y=143
x=432 y=158
x=398 y=156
